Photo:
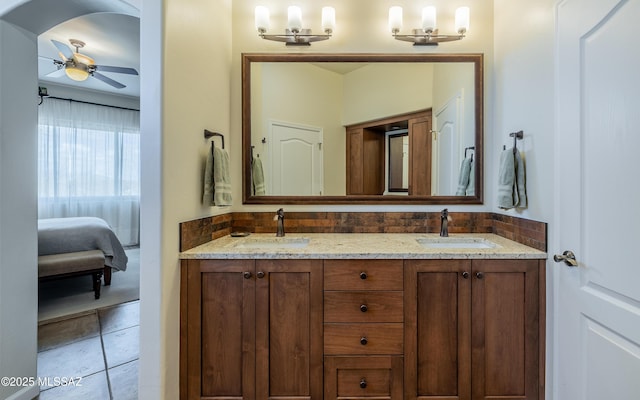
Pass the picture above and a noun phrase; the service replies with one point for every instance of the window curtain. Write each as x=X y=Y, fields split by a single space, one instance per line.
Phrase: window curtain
x=89 y=164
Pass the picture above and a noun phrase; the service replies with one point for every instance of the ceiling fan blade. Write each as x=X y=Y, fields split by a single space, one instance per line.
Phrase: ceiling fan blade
x=63 y=49
x=58 y=73
x=120 y=70
x=108 y=80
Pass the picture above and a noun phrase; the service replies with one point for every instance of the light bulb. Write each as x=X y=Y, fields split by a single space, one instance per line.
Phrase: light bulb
x=429 y=19
x=262 y=18
x=328 y=19
x=462 y=20
x=395 y=19
x=294 y=18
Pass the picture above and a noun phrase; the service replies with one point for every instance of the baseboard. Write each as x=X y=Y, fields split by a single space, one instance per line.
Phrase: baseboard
x=26 y=393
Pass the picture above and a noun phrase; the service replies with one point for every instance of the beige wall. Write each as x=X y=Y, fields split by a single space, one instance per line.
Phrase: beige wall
x=361 y=27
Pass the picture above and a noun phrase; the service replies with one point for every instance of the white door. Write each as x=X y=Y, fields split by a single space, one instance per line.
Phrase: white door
x=597 y=320
x=446 y=148
x=296 y=159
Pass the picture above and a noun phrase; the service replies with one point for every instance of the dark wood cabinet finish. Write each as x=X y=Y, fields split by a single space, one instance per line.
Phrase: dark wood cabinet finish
x=253 y=329
x=420 y=168
x=473 y=329
x=378 y=377
x=362 y=329
x=365 y=162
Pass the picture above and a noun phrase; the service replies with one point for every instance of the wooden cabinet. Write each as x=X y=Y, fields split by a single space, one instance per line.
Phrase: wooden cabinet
x=366 y=158
x=363 y=329
x=474 y=329
x=251 y=329
x=345 y=329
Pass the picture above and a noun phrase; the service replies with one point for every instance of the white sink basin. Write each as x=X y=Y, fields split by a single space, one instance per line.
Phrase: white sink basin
x=273 y=243
x=456 y=243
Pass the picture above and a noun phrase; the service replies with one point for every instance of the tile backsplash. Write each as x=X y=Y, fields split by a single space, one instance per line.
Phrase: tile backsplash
x=528 y=232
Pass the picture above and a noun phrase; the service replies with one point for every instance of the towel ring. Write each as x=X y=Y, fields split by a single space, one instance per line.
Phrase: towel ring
x=208 y=134
x=516 y=136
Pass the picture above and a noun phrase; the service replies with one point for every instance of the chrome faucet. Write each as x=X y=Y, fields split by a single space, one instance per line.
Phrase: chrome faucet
x=444 y=223
x=280 y=218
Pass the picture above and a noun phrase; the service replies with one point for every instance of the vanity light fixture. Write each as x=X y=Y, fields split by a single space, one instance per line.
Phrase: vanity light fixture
x=428 y=35
x=295 y=34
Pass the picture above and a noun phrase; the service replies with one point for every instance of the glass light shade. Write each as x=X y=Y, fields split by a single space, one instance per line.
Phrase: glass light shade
x=429 y=18
x=294 y=18
x=262 y=18
x=77 y=74
x=462 y=19
x=328 y=19
x=81 y=58
x=395 y=19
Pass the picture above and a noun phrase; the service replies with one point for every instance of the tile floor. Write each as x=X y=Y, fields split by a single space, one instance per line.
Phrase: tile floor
x=100 y=346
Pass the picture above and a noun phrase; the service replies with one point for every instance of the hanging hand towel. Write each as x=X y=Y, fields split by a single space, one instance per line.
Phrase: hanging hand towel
x=221 y=178
x=507 y=192
x=521 y=180
x=463 y=179
x=207 y=197
x=471 y=187
x=257 y=175
x=512 y=190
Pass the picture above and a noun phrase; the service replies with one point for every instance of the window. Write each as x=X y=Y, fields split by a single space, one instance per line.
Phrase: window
x=89 y=164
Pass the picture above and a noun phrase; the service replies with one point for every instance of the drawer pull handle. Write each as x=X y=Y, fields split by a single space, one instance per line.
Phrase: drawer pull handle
x=260 y=274
x=363 y=341
x=363 y=383
x=246 y=274
x=364 y=308
x=479 y=275
x=465 y=275
x=363 y=275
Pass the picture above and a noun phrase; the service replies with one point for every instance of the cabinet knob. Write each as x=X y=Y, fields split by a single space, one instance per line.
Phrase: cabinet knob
x=363 y=275
x=260 y=274
x=364 y=308
x=465 y=275
x=479 y=275
x=363 y=341
x=363 y=383
x=246 y=274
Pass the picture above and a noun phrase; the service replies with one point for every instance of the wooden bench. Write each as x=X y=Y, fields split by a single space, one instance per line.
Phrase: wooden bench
x=64 y=265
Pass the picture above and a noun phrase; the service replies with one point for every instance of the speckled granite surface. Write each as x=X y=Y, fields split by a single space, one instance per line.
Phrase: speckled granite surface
x=360 y=245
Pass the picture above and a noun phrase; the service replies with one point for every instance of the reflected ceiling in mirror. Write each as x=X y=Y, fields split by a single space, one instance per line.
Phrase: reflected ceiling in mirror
x=297 y=110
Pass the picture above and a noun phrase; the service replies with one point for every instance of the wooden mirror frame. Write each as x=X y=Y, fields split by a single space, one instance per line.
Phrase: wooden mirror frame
x=476 y=58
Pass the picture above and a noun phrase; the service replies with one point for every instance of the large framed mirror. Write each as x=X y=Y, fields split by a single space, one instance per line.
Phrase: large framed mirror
x=362 y=128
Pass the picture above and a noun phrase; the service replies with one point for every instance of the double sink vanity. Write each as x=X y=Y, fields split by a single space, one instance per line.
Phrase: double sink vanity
x=362 y=316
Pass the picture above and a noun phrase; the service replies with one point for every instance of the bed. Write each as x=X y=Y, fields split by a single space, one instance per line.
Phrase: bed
x=79 y=234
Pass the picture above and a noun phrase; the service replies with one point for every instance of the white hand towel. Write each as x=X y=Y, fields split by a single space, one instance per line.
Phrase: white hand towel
x=257 y=175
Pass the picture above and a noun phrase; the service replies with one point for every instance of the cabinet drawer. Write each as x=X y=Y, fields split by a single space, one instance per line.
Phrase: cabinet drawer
x=363 y=377
x=363 y=338
x=363 y=306
x=363 y=275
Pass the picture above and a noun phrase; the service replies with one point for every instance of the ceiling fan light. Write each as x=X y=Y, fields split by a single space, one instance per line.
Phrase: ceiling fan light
x=81 y=58
x=77 y=74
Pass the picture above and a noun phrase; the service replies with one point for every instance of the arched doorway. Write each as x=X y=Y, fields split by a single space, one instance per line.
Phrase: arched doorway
x=20 y=23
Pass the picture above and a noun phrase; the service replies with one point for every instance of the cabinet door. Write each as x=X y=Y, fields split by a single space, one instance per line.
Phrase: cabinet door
x=218 y=329
x=365 y=161
x=420 y=167
x=289 y=329
x=505 y=329
x=437 y=329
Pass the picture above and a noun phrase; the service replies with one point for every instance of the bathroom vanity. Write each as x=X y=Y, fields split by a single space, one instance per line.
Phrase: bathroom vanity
x=357 y=316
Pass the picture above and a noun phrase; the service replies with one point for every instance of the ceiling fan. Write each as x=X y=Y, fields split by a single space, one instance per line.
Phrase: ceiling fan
x=79 y=67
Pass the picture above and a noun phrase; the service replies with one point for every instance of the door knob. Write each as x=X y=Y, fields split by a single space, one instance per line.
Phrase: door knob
x=260 y=274
x=246 y=274
x=465 y=275
x=568 y=257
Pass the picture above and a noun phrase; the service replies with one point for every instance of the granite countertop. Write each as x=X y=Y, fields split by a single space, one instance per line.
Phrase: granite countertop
x=361 y=245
